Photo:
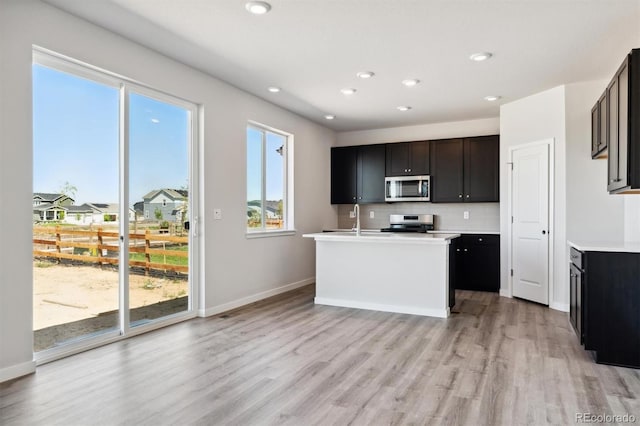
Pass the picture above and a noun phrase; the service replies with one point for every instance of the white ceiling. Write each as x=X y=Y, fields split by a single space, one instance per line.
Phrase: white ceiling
x=313 y=48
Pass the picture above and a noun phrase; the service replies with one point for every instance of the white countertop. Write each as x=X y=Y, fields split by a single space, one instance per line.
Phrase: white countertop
x=384 y=237
x=464 y=231
x=611 y=246
x=437 y=231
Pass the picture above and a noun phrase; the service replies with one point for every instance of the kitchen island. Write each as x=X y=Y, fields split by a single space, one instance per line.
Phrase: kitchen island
x=404 y=273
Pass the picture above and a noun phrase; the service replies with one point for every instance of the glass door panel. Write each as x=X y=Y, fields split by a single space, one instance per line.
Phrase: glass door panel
x=158 y=188
x=75 y=208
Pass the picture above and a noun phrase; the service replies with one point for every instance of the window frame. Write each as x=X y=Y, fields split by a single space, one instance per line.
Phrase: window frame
x=287 y=182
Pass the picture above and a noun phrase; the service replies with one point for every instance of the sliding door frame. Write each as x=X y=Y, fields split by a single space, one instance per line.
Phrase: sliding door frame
x=127 y=86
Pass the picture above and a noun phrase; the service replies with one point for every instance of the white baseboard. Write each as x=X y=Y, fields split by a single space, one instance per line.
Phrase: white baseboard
x=214 y=310
x=505 y=293
x=563 y=307
x=17 y=370
x=439 y=313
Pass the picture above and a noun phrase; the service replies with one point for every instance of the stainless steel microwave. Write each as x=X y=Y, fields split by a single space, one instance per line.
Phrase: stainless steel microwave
x=407 y=188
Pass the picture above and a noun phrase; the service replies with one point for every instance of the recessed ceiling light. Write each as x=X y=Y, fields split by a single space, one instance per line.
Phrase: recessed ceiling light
x=273 y=89
x=365 y=74
x=348 y=91
x=403 y=108
x=410 y=82
x=491 y=98
x=481 y=56
x=258 y=7
x=329 y=117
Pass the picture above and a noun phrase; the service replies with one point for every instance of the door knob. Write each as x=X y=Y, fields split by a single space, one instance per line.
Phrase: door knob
x=544 y=232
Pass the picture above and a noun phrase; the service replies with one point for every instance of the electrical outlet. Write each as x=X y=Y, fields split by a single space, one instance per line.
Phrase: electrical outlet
x=352 y=214
x=372 y=215
x=217 y=214
x=466 y=215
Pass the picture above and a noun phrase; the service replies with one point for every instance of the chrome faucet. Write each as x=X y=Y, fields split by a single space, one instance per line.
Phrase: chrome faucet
x=356 y=211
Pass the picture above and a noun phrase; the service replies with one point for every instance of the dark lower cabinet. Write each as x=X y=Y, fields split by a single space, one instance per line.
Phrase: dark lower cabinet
x=575 y=304
x=477 y=262
x=454 y=245
x=608 y=297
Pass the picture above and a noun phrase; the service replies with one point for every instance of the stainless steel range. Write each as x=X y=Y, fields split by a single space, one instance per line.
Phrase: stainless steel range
x=409 y=223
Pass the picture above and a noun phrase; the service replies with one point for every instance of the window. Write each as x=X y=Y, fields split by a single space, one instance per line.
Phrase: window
x=267 y=169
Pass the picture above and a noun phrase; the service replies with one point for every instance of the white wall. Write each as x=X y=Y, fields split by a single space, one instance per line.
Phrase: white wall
x=592 y=214
x=456 y=129
x=532 y=119
x=236 y=270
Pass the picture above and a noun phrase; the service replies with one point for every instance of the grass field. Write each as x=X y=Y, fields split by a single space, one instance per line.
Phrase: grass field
x=167 y=259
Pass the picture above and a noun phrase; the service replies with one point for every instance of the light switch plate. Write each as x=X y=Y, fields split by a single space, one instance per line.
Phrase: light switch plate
x=217 y=214
x=352 y=215
x=372 y=215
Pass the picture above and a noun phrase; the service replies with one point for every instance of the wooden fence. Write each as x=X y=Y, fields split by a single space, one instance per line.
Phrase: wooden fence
x=97 y=244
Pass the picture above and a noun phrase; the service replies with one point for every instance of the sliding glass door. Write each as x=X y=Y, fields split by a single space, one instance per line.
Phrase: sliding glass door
x=159 y=135
x=112 y=203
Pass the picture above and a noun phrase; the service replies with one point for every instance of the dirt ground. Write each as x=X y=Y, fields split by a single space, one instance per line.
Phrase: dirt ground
x=67 y=293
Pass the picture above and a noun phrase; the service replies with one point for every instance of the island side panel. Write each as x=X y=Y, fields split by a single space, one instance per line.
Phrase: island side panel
x=407 y=278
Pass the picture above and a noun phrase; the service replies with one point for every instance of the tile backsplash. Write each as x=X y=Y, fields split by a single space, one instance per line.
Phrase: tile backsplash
x=482 y=216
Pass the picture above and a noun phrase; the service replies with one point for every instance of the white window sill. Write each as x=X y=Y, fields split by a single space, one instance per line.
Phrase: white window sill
x=267 y=234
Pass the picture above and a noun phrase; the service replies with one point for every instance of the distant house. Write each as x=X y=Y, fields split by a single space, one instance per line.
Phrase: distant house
x=138 y=208
x=48 y=206
x=95 y=213
x=271 y=209
x=170 y=203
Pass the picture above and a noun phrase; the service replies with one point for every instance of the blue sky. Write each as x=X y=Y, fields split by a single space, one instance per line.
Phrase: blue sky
x=75 y=139
x=274 y=163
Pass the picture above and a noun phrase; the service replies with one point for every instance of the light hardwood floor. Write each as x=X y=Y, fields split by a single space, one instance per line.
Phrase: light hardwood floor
x=496 y=361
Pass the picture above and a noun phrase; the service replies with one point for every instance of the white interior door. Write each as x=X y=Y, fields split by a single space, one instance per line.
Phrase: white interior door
x=530 y=223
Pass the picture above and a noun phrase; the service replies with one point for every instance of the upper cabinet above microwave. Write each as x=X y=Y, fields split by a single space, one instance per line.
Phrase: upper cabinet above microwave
x=407 y=159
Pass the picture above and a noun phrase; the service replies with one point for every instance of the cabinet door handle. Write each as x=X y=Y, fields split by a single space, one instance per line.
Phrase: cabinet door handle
x=479 y=239
x=467 y=195
x=409 y=169
x=466 y=250
x=457 y=249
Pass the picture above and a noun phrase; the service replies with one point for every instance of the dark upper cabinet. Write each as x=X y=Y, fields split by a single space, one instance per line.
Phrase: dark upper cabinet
x=624 y=127
x=615 y=127
x=599 y=127
x=465 y=170
x=477 y=262
x=370 y=174
x=447 y=171
x=344 y=165
x=595 y=122
x=481 y=169
x=357 y=174
x=407 y=159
